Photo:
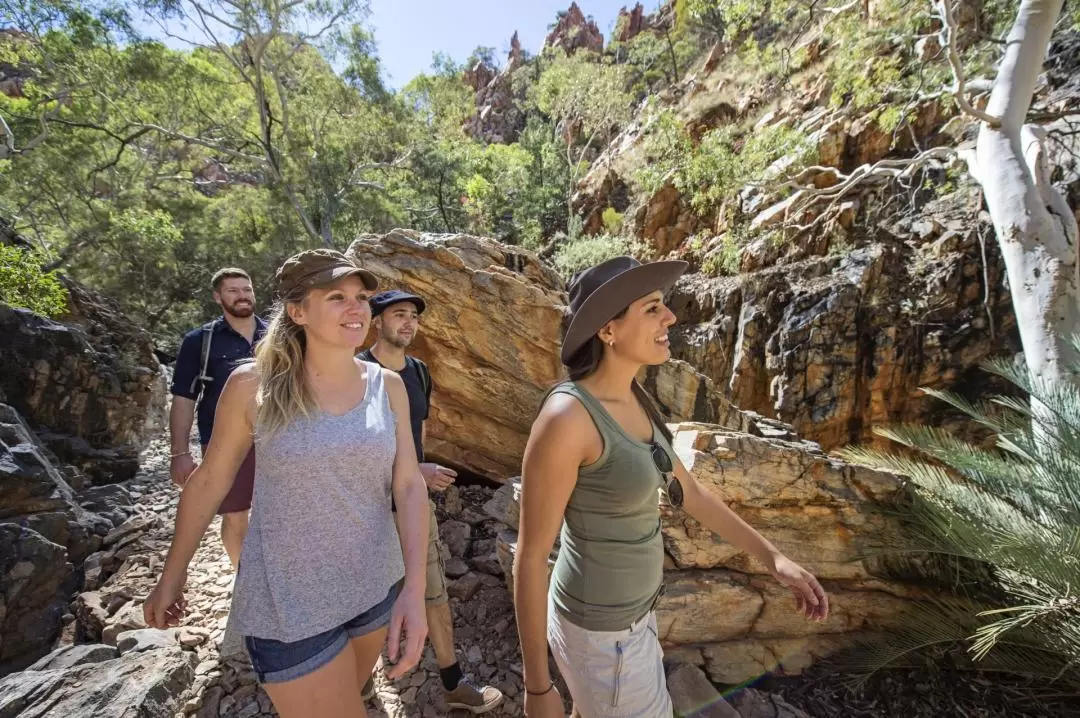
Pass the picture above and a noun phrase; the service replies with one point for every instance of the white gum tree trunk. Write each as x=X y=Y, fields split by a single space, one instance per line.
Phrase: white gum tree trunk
x=1036 y=230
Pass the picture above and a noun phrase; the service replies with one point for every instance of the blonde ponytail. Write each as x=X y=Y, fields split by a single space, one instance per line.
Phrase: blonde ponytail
x=283 y=395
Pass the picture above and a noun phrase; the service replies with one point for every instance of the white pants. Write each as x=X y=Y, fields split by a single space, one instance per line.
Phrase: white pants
x=611 y=674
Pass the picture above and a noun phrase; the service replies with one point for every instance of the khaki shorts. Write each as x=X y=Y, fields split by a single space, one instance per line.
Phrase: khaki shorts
x=611 y=674
x=435 y=590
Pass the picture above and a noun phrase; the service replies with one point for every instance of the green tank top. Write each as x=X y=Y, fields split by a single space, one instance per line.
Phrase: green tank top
x=610 y=566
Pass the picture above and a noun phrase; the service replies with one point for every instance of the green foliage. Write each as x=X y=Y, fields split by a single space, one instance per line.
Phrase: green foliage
x=583 y=90
x=655 y=59
x=726 y=159
x=723 y=260
x=25 y=284
x=1013 y=508
x=719 y=167
x=612 y=219
x=139 y=165
x=573 y=256
x=668 y=148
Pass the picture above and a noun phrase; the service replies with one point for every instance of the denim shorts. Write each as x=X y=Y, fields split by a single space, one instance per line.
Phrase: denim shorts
x=277 y=661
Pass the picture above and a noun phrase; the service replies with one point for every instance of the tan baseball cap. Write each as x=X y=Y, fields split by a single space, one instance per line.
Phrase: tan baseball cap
x=317 y=268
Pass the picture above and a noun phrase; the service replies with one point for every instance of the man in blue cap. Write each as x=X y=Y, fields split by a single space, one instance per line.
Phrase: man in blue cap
x=396 y=322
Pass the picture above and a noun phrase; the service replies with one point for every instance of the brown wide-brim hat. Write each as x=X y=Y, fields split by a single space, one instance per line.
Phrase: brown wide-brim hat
x=317 y=268
x=599 y=293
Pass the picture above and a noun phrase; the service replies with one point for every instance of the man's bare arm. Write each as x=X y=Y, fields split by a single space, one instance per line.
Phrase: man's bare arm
x=181 y=418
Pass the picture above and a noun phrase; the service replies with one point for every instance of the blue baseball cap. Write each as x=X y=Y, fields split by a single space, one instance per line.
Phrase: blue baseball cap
x=382 y=300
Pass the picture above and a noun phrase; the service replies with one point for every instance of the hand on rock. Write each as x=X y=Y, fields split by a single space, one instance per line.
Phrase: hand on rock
x=165 y=605
x=810 y=597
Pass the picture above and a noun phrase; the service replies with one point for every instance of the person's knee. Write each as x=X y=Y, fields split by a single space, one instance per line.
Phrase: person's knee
x=235 y=522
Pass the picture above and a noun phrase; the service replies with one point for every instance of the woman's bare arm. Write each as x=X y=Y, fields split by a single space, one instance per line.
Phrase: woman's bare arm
x=556 y=449
x=210 y=482
x=410 y=497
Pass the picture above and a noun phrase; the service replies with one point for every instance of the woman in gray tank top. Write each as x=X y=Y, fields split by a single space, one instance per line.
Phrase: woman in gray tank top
x=324 y=580
x=598 y=458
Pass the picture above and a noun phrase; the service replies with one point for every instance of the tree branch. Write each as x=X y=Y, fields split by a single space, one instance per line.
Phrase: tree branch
x=124 y=142
x=198 y=141
x=807 y=197
x=1032 y=139
x=948 y=42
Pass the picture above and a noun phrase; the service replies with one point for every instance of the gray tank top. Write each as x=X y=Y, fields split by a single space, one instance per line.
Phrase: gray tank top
x=321 y=546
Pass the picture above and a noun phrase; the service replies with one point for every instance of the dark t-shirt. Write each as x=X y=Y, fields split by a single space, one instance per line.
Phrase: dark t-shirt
x=419 y=399
x=227 y=349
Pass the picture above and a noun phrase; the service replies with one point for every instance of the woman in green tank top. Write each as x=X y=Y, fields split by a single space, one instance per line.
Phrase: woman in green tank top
x=597 y=459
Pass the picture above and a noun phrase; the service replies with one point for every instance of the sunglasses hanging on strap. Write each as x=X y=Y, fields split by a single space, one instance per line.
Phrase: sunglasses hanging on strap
x=663 y=464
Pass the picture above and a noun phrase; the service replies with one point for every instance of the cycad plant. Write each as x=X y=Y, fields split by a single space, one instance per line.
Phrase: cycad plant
x=1009 y=509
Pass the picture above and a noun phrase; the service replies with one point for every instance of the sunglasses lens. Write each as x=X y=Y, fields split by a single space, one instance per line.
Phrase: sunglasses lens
x=661 y=459
x=675 y=494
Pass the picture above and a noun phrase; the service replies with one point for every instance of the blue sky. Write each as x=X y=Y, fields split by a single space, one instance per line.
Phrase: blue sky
x=409 y=31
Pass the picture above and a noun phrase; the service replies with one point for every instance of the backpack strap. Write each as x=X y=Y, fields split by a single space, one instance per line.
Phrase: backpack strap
x=204 y=361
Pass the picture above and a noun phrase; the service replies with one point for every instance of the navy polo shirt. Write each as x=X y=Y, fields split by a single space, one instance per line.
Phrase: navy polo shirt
x=227 y=349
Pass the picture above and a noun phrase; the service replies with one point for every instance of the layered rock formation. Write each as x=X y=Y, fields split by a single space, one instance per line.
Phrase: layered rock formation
x=490 y=335
x=721 y=610
x=498 y=117
x=839 y=343
x=89 y=385
x=45 y=535
x=574 y=32
x=81 y=396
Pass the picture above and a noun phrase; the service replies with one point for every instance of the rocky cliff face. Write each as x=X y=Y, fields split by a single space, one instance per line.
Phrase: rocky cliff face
x=839 y=343
x=498 y=117
x=829 y=318
x=573 y=31
x=89 y=384
x=49 y=533
x=81 y=396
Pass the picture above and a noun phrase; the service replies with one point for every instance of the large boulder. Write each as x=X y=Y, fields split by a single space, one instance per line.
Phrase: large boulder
x=44 y=536
x=720 y=609
x=145 y=684
x=35 y=576
x=490 y=335
x=90 y=385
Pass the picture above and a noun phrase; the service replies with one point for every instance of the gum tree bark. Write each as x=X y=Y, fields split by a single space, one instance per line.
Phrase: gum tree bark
x=1036 y=229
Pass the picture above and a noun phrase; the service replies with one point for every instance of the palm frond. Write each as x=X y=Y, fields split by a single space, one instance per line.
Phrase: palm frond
x=1000 y=524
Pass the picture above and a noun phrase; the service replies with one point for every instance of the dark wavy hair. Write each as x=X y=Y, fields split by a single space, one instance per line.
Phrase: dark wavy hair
x=586 y=360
